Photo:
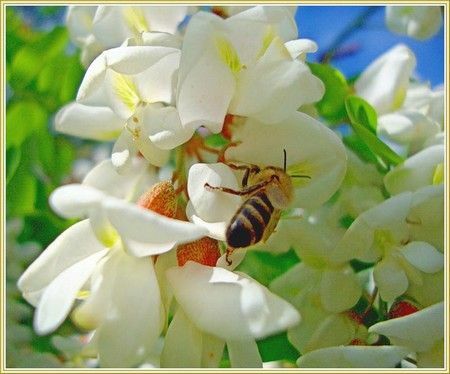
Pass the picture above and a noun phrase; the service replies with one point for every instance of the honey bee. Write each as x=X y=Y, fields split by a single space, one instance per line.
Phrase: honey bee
x=268 y=191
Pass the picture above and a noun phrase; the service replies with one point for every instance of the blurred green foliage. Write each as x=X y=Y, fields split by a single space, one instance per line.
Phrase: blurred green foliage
x=41 y=78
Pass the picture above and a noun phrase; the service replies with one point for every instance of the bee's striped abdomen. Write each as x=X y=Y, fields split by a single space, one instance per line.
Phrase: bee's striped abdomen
x=248 y=224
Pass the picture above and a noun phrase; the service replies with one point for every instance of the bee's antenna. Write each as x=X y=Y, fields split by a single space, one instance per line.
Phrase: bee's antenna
x=300 y=176
x=285 y=160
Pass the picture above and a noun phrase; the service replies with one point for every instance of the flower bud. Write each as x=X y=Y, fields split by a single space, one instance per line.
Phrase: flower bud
x=160 y=198
x=205 y=251
x=402 y=308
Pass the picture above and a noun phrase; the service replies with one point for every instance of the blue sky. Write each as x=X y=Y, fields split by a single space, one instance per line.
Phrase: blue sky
x=323 y=23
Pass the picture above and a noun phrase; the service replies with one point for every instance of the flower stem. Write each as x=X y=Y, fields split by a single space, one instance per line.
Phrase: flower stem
x=348 y=31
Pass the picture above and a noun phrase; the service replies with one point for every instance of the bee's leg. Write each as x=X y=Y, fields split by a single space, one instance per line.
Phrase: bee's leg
x=221 y=156
x=246 y=191
x=249 y=169
x=228 y=254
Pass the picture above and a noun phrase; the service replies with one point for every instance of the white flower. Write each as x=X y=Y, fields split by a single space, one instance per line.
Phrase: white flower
x=96 y=29
x=409 y=128
x=229 y=11
x=109 y=200
x=322 y=157
x=428 y=101
x=124 y=307
x=354 y=357
x=129 y=91
x=106 y=258
x=423 y=169
x=242 y=66
x=360 y=189
x=422 y=332
x=419 y=22
x=392 y=234
x=321 y=290
x=385 y=81
x=52 y=282
x=217 y=306
x=426 y=216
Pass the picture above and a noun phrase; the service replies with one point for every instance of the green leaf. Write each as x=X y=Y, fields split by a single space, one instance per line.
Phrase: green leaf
x=215 y=141
x=29 y=61
x=265 y=266
x=355 y=143
x=18 y=33
x=43 y=227
x=332 y=105
x=361 y=120
x=276 y=348
x=21 y=191
x=360 y=111
x=22 y=120
x=13 y=156
x=71 y=79
x=69 y=72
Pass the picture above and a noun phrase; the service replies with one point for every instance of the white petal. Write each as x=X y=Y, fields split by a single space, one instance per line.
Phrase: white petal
x=434 y=358
x=238 y=308
x=431 y=291
x=88 y=122
x=123 y=152
x=133 y=322
x=384 y=83
x=206 y=83
x=390 y=278
x=212 y=351
x=139 y=224
x=244 y=354
x=419 y=22
x=79 y=22
x=426 y=216
x=139 y=249
x=216 y=230
x=333 y=330
x=297 y=279
x=416 y=172
x=156 y=156
x=105 y=17
x=300 y=47
x=182 y=344
x=339 y=290
x=213 y=206
x=321 y=155
x=287 y=85
x=91 y=91
x=353 y=357
x=72 y=246
x=407 y=127
x=105 y=178
x=75 y=200
x=165 y=18
x=423 y=256
x=418 y=331
x=164 y=127
x=135 y=60
x=389 y=216
x=156 y=83
x=59 y=296
x=248 y=29
x=158 y=39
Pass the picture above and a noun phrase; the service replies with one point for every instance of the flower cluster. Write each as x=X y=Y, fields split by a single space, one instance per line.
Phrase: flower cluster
x=218 y=152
